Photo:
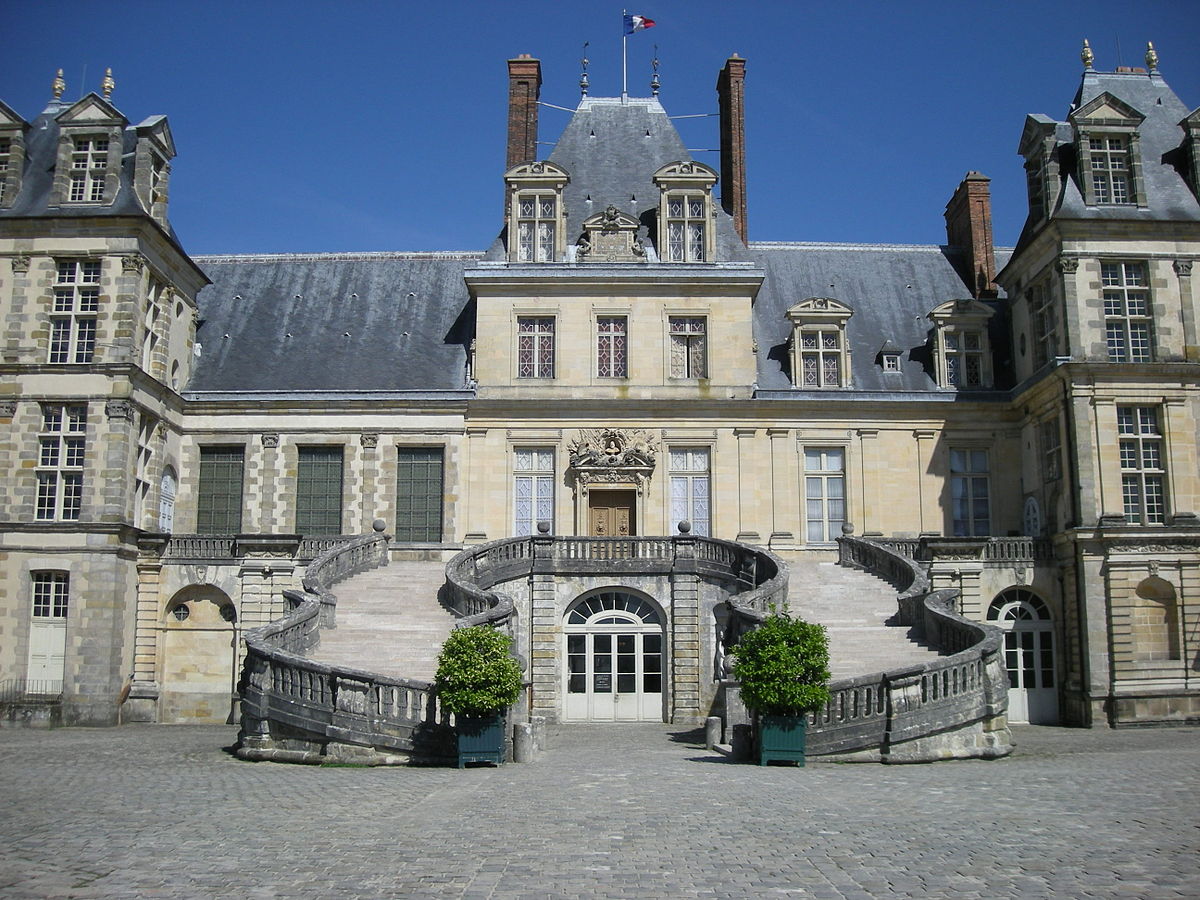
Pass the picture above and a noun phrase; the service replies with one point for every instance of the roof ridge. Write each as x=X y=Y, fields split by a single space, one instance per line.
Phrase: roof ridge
x=839 y=245
x=348 y=256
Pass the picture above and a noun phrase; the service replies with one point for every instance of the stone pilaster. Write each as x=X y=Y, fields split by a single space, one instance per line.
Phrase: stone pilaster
x=475 y=525
x=868 y=513
x=685 y=634
x=748 y=475
x=783 y=490
x=545 y=632
x=927 y=497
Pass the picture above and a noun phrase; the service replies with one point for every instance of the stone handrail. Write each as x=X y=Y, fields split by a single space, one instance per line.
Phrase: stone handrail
x=951 y=707
x=993 y=549
x=299 y=710
x=229 y=547
x=758 y=575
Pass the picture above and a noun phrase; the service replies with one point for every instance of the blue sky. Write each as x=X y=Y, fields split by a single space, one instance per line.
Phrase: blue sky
x=308 y=126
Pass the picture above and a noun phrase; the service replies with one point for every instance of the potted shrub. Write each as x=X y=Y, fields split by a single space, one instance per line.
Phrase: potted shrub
x=783 y=667
x=478 y=680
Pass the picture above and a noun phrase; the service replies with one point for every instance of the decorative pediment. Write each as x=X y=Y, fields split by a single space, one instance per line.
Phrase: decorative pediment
x=610 y=236
x=961 y=311
x=9 y=119
x=612 y=455
x=1107 y=110
x=158 y=130
x=819 y=309
x=91 y=110
x=538 y=173
x=685 y=173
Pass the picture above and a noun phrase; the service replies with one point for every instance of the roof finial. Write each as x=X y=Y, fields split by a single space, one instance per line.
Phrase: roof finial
x=59 y=85
x=583 y=76
x=107 y=84
x=1087 y=55
x=654 y=84
x=1151 y=57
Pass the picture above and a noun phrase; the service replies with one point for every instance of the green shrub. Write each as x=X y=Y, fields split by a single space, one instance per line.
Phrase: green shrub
x=476 y=675
x=783 y=666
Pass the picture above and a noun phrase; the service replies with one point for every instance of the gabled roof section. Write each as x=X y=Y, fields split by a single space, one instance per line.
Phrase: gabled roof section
x=1105 y=109
x=91 y=110
x=9 y=119
x=158 y=130
x=612 y=147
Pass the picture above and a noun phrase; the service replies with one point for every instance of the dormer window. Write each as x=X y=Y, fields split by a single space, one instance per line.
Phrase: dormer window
x=5 y=162
x=685 y=212
x=536 y=216
x=89 y=166
x=890 y=361
x=962 y=347
x=819 y=355
x=1110 y=170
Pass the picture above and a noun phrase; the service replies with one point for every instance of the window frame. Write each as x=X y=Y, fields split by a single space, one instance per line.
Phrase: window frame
x=1142 y=447
x=689 y=494
x=428 y=503
x=1117 y=292
x=319 y=509
x=824 y=527
x=687 y=348
x=537 y=182
x=62 y=457
x=1043 y=320
x=612 y=346
x=956 y=324
x=74 y=310
x=536 y=351
x=690 y=185
x=975 y=485
x=539 y=475
x=89 y=164
x=50 y=595
x=212 y=506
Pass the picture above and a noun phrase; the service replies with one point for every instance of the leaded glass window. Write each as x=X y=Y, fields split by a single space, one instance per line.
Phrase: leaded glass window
x=319 y=490
x=219 y=496
x=820 y=358
x=419 y=474
x=612 y=347
x=535 y=347
x=691 y=488
x=533 y=489
x=536 y=216
x=689 y=347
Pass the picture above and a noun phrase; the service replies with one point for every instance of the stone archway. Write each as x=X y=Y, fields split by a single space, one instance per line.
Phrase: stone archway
x=199 y=653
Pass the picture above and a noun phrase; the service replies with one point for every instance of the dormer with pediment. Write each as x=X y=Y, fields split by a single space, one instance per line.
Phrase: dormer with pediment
x=820 y=353
x=536 y=213
x=12 y=154
x=962 y=348
x=1191 y=127
x=152 y=166
x=88 y=160
x=686 y=219
x=1043 y=176
x=1109 y=152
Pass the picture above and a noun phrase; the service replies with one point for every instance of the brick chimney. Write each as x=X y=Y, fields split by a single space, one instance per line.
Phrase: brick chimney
x=524 y=89
x=969 y=230
x=731 y=94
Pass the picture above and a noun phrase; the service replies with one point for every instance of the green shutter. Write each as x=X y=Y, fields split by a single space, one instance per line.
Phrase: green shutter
x=319 y=491
x=219 y=503
x=419 y=494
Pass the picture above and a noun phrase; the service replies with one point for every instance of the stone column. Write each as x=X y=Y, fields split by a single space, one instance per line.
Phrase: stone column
x=545 y=632
x=685 y=634
x=784 y=495
x=747 y=486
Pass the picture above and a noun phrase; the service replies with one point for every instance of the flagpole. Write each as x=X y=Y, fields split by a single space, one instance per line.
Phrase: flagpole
x=624 y=68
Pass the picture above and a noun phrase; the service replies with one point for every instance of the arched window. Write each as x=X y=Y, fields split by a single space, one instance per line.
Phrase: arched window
x=1028 y=655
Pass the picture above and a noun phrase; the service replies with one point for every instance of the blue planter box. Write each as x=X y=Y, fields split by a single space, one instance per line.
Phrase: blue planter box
x=480 y=740
x=782 y=737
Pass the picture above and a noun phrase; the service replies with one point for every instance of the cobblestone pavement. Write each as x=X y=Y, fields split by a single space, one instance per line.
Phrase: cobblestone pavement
x=633 y=811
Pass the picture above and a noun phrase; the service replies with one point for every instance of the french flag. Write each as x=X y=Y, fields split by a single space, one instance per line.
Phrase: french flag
x=634 y=24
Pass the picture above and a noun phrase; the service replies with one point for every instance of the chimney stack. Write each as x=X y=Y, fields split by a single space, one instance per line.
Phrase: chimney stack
x=524 y=89
x=731 y=101
x=969 y=230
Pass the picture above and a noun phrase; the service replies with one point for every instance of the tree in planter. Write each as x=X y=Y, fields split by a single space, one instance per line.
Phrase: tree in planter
x=477 y=680
x=783 y=668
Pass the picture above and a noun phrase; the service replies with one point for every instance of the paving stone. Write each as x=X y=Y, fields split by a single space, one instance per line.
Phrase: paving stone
x=633 y=811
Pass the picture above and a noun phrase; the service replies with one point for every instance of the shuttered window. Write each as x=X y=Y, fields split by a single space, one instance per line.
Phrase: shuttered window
x=419 y=494
x=319 y=490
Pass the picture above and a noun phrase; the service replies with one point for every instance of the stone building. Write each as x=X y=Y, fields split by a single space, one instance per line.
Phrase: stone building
x=182 y=434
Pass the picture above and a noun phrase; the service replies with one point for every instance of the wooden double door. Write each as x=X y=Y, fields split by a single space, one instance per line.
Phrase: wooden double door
x=612 y=513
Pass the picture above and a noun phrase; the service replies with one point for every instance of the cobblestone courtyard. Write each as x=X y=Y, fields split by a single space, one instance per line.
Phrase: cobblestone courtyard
x=636 y=811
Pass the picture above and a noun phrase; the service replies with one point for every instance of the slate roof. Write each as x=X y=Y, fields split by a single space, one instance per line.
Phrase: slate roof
x=1168 y=196
x=611 y=148
x=41 y=157
x=334 y=322
x=891 y=288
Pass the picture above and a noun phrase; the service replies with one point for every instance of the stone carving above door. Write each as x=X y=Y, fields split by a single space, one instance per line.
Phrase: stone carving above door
x=612 y=456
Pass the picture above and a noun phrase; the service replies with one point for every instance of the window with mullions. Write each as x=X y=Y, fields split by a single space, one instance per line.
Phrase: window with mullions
x=89 y=165
x=1111 y=170
x=820 y=358
x=970 y=496
x=1050 y=443
x=964 y=358
x=219 y=495
x=60 y=462
x=685 y=227
x=533 y=489
x=824 y=493
x=689 y=347
x=76 y=303
x=1044 y=319
x=1126 y=311
x=612 y=345
x=1143 y=470
x=319 y=490
x=691 y=488
x=51 y=595
x=419 y=472
x=536 y=218
x=5 y=162
x=535 y=347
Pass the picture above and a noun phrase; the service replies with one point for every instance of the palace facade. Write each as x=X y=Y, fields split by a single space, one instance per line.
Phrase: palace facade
x=182 y=434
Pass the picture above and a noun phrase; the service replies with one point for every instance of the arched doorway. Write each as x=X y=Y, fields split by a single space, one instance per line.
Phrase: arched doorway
x=615 y=660
x=1028 y=655
x=199 y=651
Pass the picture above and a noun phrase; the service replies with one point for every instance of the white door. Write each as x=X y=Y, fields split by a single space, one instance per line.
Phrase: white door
x=614 y=657
x=47 y=652
x=1028 y=656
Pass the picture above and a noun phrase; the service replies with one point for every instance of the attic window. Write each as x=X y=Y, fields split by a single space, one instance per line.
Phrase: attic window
x=962 y=347
x=890 y=361
x=685 y=212
x=820 y=358
x=536 y=213
x=89 y=165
